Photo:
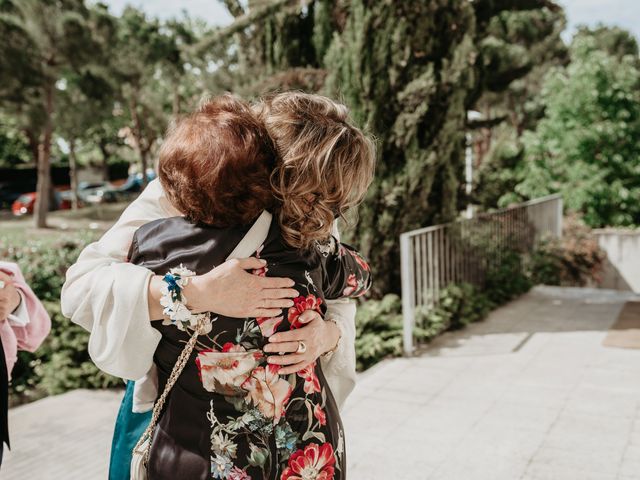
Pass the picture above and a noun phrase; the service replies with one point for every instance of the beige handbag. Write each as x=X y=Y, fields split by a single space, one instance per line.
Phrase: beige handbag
x=249 y=244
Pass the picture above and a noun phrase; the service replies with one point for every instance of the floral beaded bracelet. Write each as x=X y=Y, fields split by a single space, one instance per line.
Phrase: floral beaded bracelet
x=174 y=301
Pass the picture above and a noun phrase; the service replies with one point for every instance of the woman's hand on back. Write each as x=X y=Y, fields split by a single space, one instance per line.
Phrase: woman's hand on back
x=232 y=291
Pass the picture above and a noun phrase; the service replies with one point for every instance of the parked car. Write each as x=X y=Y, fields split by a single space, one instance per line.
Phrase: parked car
x=93 y=192
x=133 y=184
x=25 y=204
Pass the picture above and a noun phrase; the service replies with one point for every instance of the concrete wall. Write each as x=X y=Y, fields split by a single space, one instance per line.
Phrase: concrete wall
x=622 y=269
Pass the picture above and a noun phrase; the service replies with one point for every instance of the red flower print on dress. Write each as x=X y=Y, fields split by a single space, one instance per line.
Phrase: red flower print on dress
x=268 y=325
x=224 y=371
x=352 y=284
x=311 y=382
x=318 y=412
x=268 y=391
x=315 y=462
x=360 y=261
x=302 y=304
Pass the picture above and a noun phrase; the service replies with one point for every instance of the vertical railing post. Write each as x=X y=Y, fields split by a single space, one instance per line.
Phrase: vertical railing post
x=408 y=293
x=559 y=211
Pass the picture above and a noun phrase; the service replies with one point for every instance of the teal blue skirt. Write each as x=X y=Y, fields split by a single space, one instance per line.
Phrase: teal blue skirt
x=129 y=428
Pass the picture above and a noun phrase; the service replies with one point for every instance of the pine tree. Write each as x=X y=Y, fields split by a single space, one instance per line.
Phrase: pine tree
x=531 y=39
x=57 y=38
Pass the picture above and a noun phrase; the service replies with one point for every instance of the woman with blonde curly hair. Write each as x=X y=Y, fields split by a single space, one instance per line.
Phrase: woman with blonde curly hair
x=260 y=415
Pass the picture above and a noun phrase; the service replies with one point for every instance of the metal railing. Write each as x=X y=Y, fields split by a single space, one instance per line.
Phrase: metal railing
x=464 y=250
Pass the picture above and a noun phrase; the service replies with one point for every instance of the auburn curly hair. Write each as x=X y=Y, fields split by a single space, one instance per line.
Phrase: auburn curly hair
x=215 y=164
x=325 y=164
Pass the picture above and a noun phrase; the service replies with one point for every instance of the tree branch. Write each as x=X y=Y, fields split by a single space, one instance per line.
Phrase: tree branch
x=234 y=7
x=485 y=9
x=241 y=23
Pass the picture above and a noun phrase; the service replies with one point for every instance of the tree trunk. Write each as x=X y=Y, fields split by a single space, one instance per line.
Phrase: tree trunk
x=138 y=139
x=73 y=173
x=144 y=154
x=105 y=160
x=43 y=188
x=34 y=143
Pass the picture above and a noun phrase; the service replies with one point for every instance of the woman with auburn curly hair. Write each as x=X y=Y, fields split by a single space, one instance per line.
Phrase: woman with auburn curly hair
x=294 y=429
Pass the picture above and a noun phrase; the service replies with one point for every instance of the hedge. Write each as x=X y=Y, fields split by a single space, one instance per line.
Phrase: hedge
x=62 y=362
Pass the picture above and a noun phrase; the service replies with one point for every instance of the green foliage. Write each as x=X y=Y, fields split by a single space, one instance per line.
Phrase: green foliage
x=459 y=305
x=588 y=145
x=379 y=322
x=44 y=263
x=497 y=172
x=498 y=149
x=506 y=279
x=53 y=38
x=378 y=330
x=14 y=148
x=574 y=260
x=62 y=362
x=612 y=40
x=71 y=71
x=530 y=40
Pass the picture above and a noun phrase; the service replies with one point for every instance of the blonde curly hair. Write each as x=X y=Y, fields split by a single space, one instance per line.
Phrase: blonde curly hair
x=325 y=164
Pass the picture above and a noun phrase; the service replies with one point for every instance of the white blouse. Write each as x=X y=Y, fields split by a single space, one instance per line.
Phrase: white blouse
x=108 y=297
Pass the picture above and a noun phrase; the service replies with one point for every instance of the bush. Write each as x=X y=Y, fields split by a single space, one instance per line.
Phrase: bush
x=576 y=259
x=44 y=263
x=62 y=362
x=464 y=304
x=379 y=322
x=378 y=330
x=507 y=278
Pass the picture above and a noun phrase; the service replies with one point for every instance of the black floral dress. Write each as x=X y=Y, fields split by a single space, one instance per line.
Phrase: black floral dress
x=231 y=415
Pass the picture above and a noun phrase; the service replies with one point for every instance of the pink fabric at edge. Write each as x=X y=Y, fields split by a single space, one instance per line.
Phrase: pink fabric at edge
x=29 y=337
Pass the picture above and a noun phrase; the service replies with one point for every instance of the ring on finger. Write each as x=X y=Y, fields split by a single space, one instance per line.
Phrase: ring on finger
x=302 y=347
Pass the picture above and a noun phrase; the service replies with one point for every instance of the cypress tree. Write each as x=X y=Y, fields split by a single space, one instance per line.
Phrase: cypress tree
x=410 y=71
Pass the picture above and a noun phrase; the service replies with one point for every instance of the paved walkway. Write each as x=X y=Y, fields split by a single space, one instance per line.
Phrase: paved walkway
x=530 y=393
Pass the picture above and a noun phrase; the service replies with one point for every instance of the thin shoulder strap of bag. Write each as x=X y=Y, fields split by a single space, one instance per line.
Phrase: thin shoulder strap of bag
x=159 y=405
x=255 y=237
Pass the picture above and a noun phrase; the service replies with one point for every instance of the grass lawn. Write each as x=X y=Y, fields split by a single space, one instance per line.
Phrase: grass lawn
x=92 y=220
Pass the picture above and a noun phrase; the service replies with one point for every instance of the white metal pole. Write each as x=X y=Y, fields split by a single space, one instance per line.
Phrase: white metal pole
x=468 y=161
x=408 y=294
